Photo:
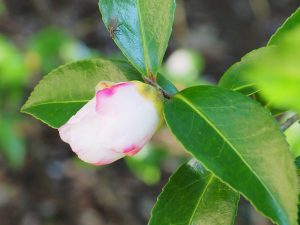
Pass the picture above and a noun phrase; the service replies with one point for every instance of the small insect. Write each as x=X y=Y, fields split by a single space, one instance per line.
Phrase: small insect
x=113 y=28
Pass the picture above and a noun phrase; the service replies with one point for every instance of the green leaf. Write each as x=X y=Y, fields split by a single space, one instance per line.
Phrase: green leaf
x=52 y=46
x=13 y=70
x=195 y=196
x=273 y=70
x=236 y=79
x=12 y=144
x=233 y=79
x=276 y=72
x=66 y=89
x=166 y=84
x=297 y=163
x=240 y=143
x=46 y=47
x=299 y=211
x=292 y=22
x=293 y=138
x=256 y=66
x=142 y=30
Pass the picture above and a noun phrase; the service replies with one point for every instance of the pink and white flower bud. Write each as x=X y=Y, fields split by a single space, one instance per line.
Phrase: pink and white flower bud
x=118 y=121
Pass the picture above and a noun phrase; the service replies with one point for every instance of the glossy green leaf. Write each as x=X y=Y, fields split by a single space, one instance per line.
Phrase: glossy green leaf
x=166 y=84
x=240 y=143
x=141 y=29
x=292 y=22
x=66 y=89
x=195 y=196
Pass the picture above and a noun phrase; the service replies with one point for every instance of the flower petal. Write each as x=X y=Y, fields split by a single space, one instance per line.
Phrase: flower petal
x=118 y=121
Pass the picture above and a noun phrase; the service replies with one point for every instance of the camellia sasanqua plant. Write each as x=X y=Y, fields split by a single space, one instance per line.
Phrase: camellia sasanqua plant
x=107 y=109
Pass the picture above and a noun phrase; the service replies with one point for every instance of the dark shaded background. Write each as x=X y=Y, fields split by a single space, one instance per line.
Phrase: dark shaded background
x=52 y=187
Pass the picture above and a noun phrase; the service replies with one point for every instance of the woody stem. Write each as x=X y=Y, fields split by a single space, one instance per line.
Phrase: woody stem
x=289 y=122
x=159 y=88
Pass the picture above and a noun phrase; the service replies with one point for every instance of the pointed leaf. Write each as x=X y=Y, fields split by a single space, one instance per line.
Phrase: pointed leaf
x=235 y=79
x=195 y=196
x=277 y=72
x=292 y=22
x=241 y=144
x=141 y=29
x=232 y=78
x=66 y=89
x=278 y=84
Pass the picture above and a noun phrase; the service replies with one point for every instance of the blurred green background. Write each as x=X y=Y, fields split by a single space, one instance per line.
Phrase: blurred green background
x=41 y=181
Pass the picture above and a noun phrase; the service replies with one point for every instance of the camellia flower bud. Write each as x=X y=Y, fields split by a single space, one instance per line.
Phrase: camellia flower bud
x=117 y=122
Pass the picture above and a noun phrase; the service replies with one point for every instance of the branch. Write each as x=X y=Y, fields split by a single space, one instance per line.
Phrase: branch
x=289 y=122
x=154 y=84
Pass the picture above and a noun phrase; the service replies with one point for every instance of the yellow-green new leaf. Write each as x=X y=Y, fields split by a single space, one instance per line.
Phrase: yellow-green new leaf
x=291 y=23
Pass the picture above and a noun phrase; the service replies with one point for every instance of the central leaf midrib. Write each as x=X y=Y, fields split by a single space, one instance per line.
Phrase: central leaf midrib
x=56 y=102
x=143 y=39
x=200 y=199
x=201 y=114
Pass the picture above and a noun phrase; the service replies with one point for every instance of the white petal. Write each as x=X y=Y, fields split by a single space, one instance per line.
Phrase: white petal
x=115 y=123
